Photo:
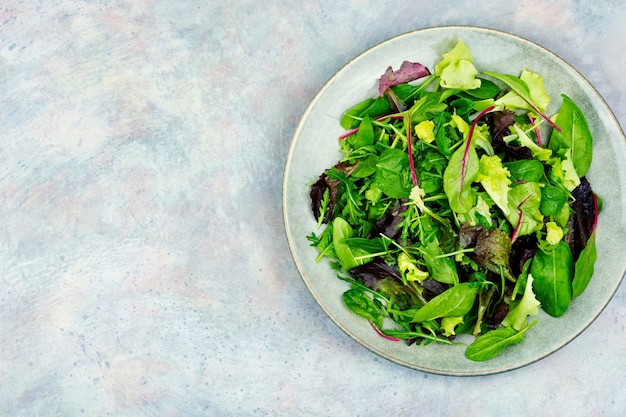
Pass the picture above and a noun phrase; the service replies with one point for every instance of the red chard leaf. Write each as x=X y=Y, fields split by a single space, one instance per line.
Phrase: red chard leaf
x=409 y=71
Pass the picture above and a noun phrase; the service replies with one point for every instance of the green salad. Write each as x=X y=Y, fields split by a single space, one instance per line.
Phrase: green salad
x=459 y=206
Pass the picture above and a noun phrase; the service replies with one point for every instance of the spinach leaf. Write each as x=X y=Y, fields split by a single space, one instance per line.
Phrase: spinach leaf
x=364 y=136
x=455 y=301
x=342 y=231
x=492 y=343
x=553 y=270
x=575 y=135
x=487 y=89
x=552 y=200
x=583 y=269
x=529 y=170
x=363 y=305
x=392 y=173
x=369 y=107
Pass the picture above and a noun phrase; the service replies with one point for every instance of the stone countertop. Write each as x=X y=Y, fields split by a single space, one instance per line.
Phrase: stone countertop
x=144 y=269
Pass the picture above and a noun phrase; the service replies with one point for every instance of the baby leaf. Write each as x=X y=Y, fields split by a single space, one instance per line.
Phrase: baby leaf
x=455 y=301
x=409 y=71
x=536 y=92
x=442 y=269
x=456 y=186
x=364 y=136
x=537 y=151
x=392 y=173
x=583 y=270
x=553 y=270
x=364 y=306
x=552 y=200
x=492 y=343
x=368 y=107
x=525 y=170
x=342 y=231
x=575 y=135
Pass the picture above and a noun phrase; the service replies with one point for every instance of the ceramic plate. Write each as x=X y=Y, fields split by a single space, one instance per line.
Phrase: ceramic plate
x=314 y=148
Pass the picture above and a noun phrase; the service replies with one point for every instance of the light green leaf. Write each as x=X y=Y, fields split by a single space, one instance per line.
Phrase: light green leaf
x=449 y=324
x=408 y=266
x=538 y=152
x=495 y=180
x=554 y=233
x=536 y=93
x=457 y=70
x=527 y=306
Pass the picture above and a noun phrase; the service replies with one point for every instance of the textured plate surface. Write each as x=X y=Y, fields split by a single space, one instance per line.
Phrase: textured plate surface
x=314 y=148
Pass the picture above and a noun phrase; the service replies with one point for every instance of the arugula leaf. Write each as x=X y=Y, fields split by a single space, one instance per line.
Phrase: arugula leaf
x=364 y=306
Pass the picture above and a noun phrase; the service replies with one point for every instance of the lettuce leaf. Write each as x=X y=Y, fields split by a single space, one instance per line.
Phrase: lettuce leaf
x=457 y=70
x=527 y=306
x=495 y=180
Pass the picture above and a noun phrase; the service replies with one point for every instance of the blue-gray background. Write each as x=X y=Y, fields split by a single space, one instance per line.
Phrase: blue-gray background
x=144 y=269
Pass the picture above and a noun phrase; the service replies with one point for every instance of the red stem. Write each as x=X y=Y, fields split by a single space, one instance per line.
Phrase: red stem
x=469 y=141
x=532 y=122
x=540 y=113
x=394 y=339
x=519 y=221
x=410 y=149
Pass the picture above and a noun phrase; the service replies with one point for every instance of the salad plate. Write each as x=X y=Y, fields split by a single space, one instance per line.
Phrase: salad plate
x=314 y=148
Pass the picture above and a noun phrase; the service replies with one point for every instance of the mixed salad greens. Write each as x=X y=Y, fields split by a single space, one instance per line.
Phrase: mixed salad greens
x=459 y=206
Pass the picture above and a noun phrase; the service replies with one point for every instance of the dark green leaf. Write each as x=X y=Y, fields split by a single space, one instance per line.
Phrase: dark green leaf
x=552 y=200
x=492 y=343
x=392 y=173
x=455 y=301
x=370 y=107
x=364 y=136
x=553 y=270
x=583 y=270
x=530 y=170
x=487 y=89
